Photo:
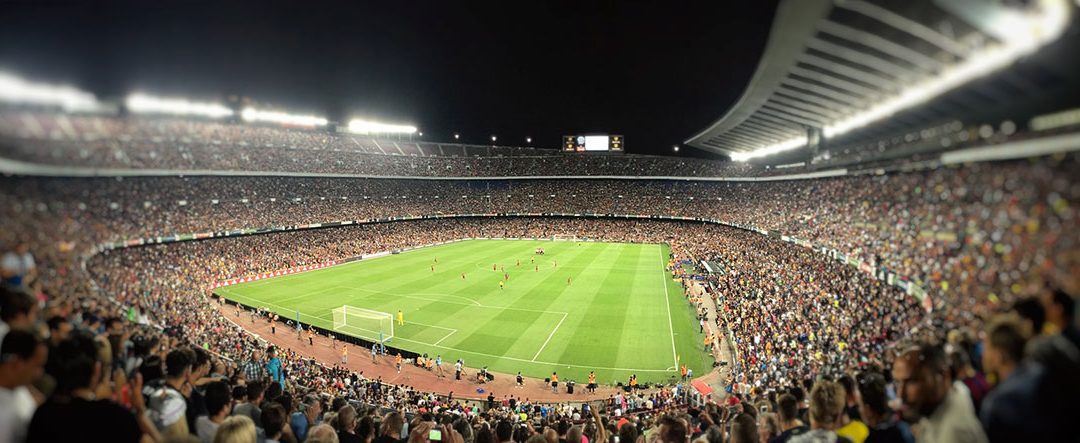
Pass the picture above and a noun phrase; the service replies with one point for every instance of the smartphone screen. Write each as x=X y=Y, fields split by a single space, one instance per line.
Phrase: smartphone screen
x=435 y=435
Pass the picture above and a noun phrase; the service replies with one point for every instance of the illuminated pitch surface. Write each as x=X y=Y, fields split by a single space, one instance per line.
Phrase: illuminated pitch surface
x=621 y=314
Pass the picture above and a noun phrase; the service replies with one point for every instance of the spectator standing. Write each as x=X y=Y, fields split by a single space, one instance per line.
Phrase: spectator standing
x=254 y=368
x=744 y=429
x=790 y=425
x=22 y=359
x=219 y=405
x=168 y=405
x=18 y=309
x=238 y=429
x=255 y=391
x=826 y=413
x=196 y=400
x=851 y=427
x=672 y=429
x=273 y=367
x=346 y=425
x=273 y=418
x=928 y=394
x=390 y=429
x=874 y=410
x=321 y=434
x=17 y=267
x=307 y=415
x=1027 y=404
x=73 y=411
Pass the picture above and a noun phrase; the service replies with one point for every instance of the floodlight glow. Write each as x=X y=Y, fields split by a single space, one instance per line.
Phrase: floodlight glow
x=358 y=126
x=147 y=104
x=255 y=115
x=777 y=148
x=1021 y=33
x=17 y=90
x=1027 y=32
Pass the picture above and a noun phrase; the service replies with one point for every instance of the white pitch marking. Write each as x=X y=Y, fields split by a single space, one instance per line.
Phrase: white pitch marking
x=552 y=334
x=667 y=304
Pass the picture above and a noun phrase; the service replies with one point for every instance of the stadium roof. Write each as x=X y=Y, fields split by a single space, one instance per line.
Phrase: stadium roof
x=836 y=67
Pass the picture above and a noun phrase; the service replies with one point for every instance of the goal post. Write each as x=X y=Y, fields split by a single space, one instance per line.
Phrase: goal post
x=364 y=323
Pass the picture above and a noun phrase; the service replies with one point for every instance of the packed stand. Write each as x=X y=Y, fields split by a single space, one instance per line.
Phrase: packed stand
x=985 y=238
x=179 y=144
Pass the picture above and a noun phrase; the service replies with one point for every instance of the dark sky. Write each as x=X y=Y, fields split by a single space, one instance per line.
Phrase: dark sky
x=654 y=71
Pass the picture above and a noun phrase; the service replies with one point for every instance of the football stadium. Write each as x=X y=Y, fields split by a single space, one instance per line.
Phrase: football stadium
x=780 y=221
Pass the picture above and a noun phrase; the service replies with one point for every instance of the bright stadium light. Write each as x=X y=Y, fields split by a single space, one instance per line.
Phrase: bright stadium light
x=528 y=139
x=675 y=148
x=139 y=103
x=420 y=134
x=255 y=115
x=14 y=89
x=1021 y=33
x=777 y=148
x=358 y=126
x=493 y=138
x=1018 y=33
x=457 y=136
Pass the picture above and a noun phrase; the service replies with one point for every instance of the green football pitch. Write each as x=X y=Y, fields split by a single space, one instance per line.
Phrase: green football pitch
x=619 y=314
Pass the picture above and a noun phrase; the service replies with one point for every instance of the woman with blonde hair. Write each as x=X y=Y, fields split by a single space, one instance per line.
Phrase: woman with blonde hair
x=236 y=429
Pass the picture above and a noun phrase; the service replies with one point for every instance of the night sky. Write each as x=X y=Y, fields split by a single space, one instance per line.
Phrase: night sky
x=656 y=72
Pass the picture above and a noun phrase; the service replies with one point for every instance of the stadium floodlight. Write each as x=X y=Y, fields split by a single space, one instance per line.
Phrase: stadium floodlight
x=255 y=115
x=358 y=126
x=675 y=148
x=14 y=89
x=528 y=139
x=140 y=103
x=776 y=148
x=457 y=136
x=419 y=134
x=493 y=138
x=1020 y=33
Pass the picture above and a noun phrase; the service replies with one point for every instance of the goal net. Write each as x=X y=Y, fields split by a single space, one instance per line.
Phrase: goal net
x=364 y=323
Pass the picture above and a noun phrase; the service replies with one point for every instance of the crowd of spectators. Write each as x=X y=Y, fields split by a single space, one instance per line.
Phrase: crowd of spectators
x=974 y=237
x=982 y=239
x=172 y=143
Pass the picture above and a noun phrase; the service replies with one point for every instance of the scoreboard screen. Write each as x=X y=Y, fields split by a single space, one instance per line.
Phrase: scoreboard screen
x=592 y=143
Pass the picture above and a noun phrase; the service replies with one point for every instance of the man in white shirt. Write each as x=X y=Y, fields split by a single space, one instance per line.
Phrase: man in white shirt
x=17 y=267
x=168 y=405
x=22 y=359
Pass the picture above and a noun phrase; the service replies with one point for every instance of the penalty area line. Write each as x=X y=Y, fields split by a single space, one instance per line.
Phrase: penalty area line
x=552 y=334
x=452 y=331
